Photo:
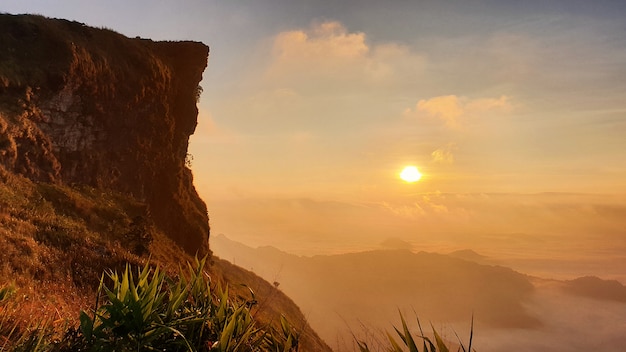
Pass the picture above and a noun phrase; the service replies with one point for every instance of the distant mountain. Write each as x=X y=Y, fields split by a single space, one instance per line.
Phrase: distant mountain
x=396 y=243
x=369 y=287
x=594 y=287
x=469 y=255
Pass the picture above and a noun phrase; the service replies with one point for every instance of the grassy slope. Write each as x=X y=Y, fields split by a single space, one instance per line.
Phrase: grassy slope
x=55 y=242
x=272 y=302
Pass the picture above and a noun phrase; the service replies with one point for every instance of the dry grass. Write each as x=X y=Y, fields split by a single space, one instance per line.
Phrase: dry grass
x=55 y=242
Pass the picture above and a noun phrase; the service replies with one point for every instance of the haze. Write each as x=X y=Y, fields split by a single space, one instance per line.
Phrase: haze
x=514 y=113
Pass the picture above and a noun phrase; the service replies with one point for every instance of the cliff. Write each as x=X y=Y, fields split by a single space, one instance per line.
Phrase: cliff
x=87 y=106
x=94 y=129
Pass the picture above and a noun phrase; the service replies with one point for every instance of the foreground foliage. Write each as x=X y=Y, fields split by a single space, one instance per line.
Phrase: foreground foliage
x=411 y=342
x=150 y=311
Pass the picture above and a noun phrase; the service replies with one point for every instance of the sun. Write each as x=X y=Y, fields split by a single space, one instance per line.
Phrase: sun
x=410 y=174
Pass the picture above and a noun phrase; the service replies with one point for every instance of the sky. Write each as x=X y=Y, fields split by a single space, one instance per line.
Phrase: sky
x=513 y=111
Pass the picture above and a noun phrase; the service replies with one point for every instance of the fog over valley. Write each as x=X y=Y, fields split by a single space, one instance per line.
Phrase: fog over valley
x=361 y=294
x=533 y=269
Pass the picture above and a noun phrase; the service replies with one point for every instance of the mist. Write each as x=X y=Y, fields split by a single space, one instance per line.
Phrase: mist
x=362 y=294
x=506 y=259
x=550 y=235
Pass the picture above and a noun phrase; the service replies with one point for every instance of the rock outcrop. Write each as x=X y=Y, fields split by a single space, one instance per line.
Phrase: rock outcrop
x=80 y=105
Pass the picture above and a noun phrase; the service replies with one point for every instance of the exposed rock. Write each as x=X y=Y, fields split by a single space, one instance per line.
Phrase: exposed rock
x=80 y=105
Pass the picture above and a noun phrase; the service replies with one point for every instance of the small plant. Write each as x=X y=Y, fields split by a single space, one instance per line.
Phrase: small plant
x=188 y=160
x=286 y=339
x=198 y=93
x=6 y=292
x=411 y=343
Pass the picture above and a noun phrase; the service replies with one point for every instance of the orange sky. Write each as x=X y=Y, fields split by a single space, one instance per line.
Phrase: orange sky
x=323 y=111
x=311 y=109
x=304 y=149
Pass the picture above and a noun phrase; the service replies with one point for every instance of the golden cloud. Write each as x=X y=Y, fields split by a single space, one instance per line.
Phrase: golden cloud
x=329 y=51
x=444 y=154
x=329 y=40
x=453 y=109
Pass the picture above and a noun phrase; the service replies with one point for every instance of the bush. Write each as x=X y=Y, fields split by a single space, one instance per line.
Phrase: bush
x=146 y=310
x=150 y=311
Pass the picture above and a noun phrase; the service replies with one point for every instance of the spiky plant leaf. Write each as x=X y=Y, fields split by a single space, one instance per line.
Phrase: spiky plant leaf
x=440 y=343
x=395 y=347
x=86 y=325
x=407 y=337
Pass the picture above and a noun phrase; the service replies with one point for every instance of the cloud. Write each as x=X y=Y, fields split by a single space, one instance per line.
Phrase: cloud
x=425 y=206
x=406 y=211
x=435 y=206
x=453 y=110
x=444 y=154
x=329 y=51
x=328 y=40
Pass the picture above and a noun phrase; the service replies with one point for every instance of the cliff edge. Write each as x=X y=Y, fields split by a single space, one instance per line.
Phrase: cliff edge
x=94 y=130
x=87 y=106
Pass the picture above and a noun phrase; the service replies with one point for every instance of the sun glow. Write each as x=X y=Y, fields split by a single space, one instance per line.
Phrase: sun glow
x=410 y=174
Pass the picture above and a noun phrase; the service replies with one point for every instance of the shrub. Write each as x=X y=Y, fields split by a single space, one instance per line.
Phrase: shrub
x=150 y=311
x=146 y=310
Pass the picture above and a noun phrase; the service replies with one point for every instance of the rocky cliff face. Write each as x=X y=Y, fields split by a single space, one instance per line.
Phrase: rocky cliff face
x=80 y=105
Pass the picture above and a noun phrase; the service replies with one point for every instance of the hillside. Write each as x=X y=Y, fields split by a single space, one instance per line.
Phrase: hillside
x=94 y=130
